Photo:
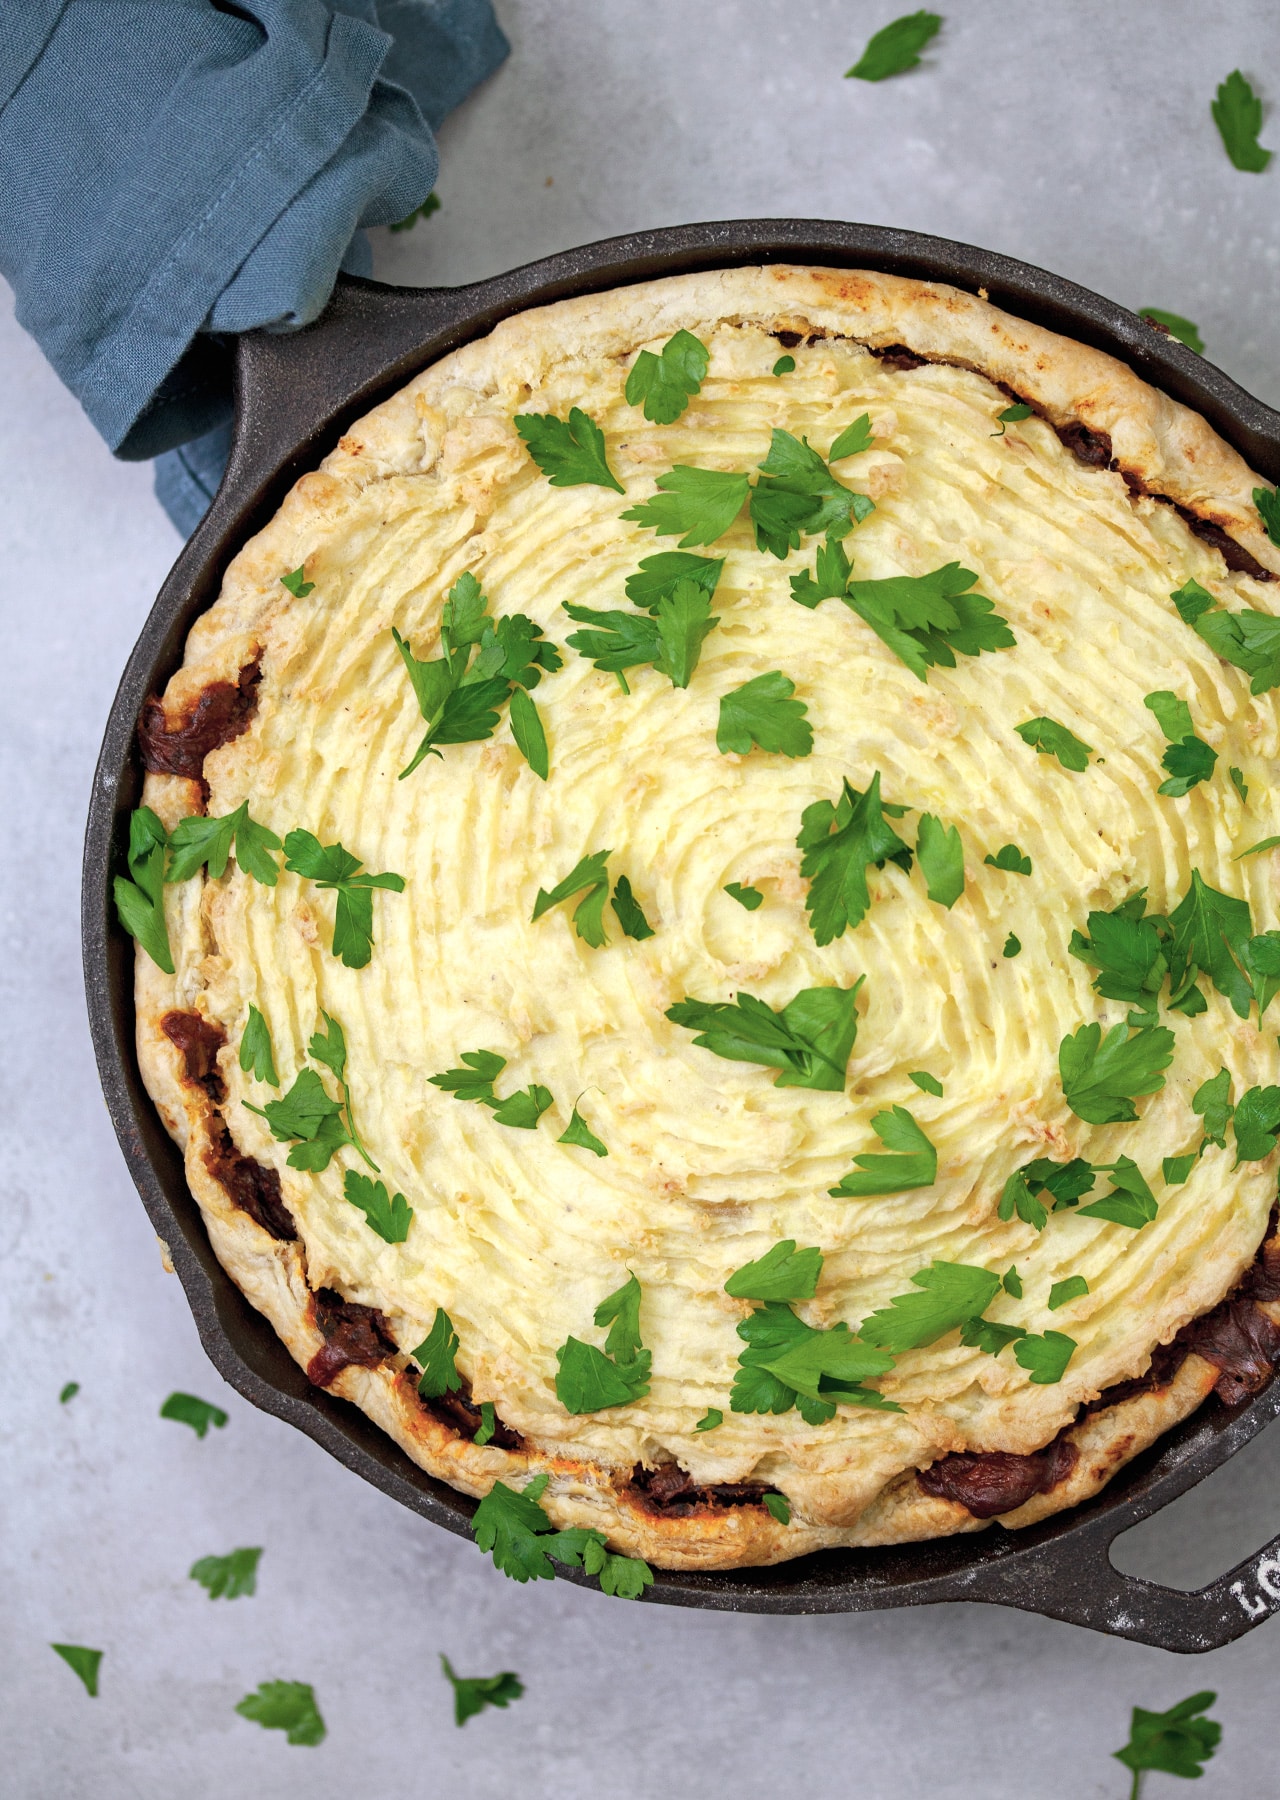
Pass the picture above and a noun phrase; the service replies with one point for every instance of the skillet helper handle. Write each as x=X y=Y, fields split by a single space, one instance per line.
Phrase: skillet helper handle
x=1073 y=1578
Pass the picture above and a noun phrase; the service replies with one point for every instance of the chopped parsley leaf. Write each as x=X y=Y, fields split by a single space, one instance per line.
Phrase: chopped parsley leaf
x=749 y=897
x=896 y=47
x=830 y=578
x=474 y=1081
x=1045 y=1358
x=570 y=454
x=488 y=1424
x=713 y=1416
x=388 y=1216
x=197 y=842
x=435 y=1357
x=69 y=1392
x=629 y=912
x=1175 y=1169
x=1268 y=843
x=656 y=576
x=508 y=1523
x=809 y=1040
x=926 y=619
x=762 y=713
x=1211 y=933
x=1047 y=738
x=430 y=205
x=591 y=874
x=524 y=1108
x=1012 y=946
x=1239 y=783
x=783 y=1273
x=839 y=843
x=853 y=440
x=1010 y=859
x=1012 y=415
x=1011 y=1282
x=528 y=731
x=1070 y=1288
x=288 y=1706
x=140 y=900
x=1175 y=1742
x=696 y=505
x=297 y=583
x=914 y=1164
x=472 y=1693
x=1257 y=1124
x=784 y=365
x=670 y=637
x=778 y=1507
x=988 y=1336
x=625 y=1577
x=199 y=1414
x=796 y=492
x=1177 y=327
x=949 y=1294
x=307 y=1114
x=589 y=1379
x=1130 y=951
x=85 y=1663
x=1188 y=759
x=229 y=1577
x=667 y=382
x=1267 y=501
x=1101 y=1077
x=790 y=1364
x=928 y=1084
x=1237 y=112
x=1212 y=1102
x=1064 y=1182
x=1130 y=1202
x=579 y=1133
x=332 y=866
x=256 y=1056
x=941 y=858
x=1248 y=640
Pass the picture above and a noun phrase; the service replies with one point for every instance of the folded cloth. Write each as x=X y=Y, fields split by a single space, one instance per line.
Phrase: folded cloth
x=174 y=172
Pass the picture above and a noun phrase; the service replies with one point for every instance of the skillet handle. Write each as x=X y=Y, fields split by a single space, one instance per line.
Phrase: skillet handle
x=1072 y=1577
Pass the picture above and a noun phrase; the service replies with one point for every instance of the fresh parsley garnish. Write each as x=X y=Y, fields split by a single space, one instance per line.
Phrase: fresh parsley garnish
x=839 y=843
x=670 y=636
x=853 y=440
x=629 y=912
x=1011 y=1282
x=1130 y=1202
x=590 y=1379
x=69 y=1391
x=570 y=454
x=475 y=1082
x=696 y=505
x=1177 y=327
x=1044 y=1358
x=809 y=1040
x=307 y=1116
x=1211 y=932
x=578 y=1132
x=797 y=493
x=198 y=842
x=1066 y=1290
x=435 y=1357
x=1257 y=1124
x=926 y=619
x=783 y=1273
x=1009 y=858
x=1063 y=1182
x=297 y=583
x=790 y=1364
x=666 y=383
x=187 y=1409
x=256 y=1057
x=288 y=1706
x=1047 y=738
x=1175 y=1742
x=472 y=1693
x=140 y=900
x=229 y=1577
x=331 y=866
x=989 y=1336
x=949 y=1294
x=1175 y=1169
x=488 y=1424
x=1212 y=1103
x=778 y=1507
x=1248 y=640
x=1267 y=501
x=784 y=365
x=84 y=1662
x=750 y=897
x=1012 y=946
x=763 y=713
x=430 y=205
x=1129 y=950
x=830 y=578
x=1101 y=1077
x=387 y=1215
x=913 y=1164
x=1188 y=759
x=1012 y=415
x=656 y=576
x=1268 y=843
x=589 y=877
x=1237 y=112
x=713 y=1415
x=941 y=858
x=928 y=1084
x=510 y=1524
x=895 y=48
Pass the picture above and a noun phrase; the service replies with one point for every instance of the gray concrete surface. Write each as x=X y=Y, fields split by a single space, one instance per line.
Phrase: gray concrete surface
x=1075 y=136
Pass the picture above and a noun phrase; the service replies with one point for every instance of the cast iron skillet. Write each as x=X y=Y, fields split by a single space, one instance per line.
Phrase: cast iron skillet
x=295 y=395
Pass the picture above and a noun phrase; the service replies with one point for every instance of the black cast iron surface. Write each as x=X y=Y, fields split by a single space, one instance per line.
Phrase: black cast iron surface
x=295 y=395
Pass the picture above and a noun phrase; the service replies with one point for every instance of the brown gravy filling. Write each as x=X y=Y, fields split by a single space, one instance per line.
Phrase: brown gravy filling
x=354 y=1335
x=460 y=1413
x=995 y=1481
x=199 y=1041
x=222 y=712
x=671 y=1491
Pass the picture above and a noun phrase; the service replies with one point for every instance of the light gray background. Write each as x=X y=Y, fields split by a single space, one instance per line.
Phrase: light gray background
x=1073 y=135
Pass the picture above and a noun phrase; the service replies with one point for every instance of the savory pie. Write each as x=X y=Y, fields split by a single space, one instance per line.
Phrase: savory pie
x=686 y=971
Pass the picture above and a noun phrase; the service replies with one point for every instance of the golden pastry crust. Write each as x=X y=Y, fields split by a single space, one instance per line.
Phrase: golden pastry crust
x=449 y=431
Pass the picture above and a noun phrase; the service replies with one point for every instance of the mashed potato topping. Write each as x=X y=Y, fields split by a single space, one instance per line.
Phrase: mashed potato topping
x=519 y=1236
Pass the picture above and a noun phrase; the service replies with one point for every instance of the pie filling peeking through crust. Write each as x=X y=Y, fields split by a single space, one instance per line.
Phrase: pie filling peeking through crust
x=1078 y=523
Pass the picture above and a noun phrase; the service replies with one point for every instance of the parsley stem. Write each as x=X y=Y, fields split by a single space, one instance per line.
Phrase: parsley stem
x=351 y=1127
x=1133 y=1791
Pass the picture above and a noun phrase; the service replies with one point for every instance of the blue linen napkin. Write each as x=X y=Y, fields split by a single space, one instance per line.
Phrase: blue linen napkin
x=175 y=172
